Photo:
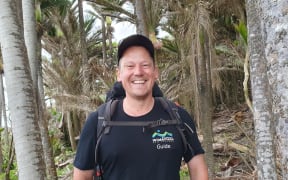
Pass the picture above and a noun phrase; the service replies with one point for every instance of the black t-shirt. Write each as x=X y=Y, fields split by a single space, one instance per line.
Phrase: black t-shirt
x=131 y=153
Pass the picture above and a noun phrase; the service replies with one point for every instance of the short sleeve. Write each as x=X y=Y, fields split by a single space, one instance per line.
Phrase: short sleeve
x=191 y=135
x=85 y=155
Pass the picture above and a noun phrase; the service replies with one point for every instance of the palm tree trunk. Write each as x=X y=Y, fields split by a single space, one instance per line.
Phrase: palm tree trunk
x=1 y=154
x=82 y=33
x=47 y=146
x=11 y=156
x=104 y=38
x=83 y=48
x=110 y=37
x=30 y=38
x=267 y=34
x=32 y=42
x=4 y=115
x=201 y=67
x=2 y=109
x=21 y=95
x=71 y=130
x=141 y=18
x=206 y=102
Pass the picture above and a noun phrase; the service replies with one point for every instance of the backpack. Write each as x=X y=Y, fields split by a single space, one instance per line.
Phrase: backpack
x=106 y=110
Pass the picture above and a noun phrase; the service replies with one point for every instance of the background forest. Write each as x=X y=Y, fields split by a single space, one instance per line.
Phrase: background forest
x=225 y=61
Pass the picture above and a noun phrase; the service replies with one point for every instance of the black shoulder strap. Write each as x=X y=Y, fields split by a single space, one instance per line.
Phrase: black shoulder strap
x=105 y=115
x=105 y=112
x=170 y=107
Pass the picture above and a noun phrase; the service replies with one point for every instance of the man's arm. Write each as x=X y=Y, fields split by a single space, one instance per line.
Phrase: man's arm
x=82 y=174
x=198 y=169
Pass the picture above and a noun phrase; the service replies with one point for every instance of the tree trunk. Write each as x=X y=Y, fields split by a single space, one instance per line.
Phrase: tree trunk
x=82 y=33
x=261 y=92
x=10 y=158
x=21 y=96
x=30 y=37
x=275 y=19
x=33 y=45
x=104 y=38
x=205 y=96
x=1 y=154
x=141 y=18
x=110 y=37
x=47 y=146
x=2 y=109
x=200 y=66
x=84 y=55
x=71 y=130
x=4 y=115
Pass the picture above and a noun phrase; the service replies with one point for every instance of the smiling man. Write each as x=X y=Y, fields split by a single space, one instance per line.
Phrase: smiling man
x=135 y=151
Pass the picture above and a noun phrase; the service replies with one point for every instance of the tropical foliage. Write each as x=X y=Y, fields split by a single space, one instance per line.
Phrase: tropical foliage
x=201 y=51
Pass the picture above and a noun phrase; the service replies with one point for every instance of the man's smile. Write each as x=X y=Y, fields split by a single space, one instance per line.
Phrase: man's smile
x=139 y=81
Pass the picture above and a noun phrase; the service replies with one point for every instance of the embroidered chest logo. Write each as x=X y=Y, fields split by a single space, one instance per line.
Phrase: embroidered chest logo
x=162 y=140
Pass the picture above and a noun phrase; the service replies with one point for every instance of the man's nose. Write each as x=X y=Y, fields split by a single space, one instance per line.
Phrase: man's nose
x=138 y=70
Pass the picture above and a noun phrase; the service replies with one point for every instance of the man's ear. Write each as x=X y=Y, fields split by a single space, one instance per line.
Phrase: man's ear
x=156 y=72
x=118 y=74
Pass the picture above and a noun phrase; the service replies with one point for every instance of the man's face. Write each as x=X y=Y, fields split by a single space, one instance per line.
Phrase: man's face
x=137 y=72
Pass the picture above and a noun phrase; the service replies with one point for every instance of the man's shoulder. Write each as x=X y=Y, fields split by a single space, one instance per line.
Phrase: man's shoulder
x=108 y=107
x=172 y=104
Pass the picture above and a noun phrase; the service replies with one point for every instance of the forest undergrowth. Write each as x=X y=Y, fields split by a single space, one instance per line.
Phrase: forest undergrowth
x=234 y=145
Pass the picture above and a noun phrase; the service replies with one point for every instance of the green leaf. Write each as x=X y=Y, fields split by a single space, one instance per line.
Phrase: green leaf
x=241 y=28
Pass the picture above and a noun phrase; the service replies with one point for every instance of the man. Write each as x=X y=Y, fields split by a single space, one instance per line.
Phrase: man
x=129 y=153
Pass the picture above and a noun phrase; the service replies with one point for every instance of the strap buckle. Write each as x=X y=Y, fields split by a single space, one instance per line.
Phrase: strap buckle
x=160 y=122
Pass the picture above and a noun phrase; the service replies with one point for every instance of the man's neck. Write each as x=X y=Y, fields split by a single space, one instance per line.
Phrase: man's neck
x=136 y=107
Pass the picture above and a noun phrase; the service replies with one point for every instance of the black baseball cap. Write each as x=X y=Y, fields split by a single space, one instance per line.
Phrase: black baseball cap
x=135 y=40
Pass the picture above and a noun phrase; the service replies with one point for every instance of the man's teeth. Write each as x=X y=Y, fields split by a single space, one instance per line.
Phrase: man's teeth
x=138 y=82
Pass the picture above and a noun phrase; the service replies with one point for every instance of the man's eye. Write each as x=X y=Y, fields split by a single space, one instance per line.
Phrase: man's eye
x=129 y=66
